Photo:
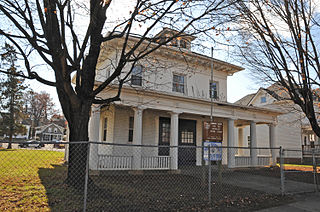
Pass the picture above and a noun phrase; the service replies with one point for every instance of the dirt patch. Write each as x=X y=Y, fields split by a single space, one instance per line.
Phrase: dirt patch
x=177 y=192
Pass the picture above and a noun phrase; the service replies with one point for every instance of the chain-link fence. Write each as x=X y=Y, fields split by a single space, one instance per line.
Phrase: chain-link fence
x=299 y=174
x=97 y=176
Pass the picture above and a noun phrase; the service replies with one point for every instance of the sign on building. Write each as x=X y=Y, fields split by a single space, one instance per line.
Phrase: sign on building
x=212 y=131
x=215 y=149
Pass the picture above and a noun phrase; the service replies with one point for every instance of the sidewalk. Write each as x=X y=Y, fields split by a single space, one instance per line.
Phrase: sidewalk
x=304 y=202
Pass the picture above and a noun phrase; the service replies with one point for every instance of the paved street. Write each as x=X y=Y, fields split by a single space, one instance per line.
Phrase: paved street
x=46 y=147
x=266 y=184
x=305 y=202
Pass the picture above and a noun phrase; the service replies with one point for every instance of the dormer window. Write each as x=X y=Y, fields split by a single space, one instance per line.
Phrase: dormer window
x=181 y=40
x=136 y=75
x=174 y=42
x=183 y=44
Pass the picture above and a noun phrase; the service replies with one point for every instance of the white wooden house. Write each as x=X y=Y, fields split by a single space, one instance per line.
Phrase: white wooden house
x=165 y=102
x=50 y=132
x=293 y=129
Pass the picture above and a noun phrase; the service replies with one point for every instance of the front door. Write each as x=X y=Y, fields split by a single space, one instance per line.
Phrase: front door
x=187 y=142
x=164 y=136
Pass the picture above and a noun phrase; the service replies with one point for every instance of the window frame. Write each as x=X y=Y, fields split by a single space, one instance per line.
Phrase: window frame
x=216 y=92
x=136 y=77
x=176 y=86
x=263 y=99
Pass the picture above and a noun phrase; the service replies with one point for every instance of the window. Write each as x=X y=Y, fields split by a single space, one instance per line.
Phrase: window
x=183 y=44
x=186 y=137
x=136 y=75
x=46 y=137
x=131 y=121
x=49 y=129
x=263 y=99
x=214 y=90
x=178 y=83
x=174 y=42
x=55 y=130
x=105 y=126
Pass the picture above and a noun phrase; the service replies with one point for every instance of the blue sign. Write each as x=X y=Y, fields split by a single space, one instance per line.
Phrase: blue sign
x=215 y=151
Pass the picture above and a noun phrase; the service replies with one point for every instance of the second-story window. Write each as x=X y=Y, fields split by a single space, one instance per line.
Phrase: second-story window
x=136 y=75
x=178 y=83
x=263 y=99
x=214 y=90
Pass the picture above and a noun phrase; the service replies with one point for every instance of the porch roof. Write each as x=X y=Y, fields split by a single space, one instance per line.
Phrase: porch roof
x=185 y=104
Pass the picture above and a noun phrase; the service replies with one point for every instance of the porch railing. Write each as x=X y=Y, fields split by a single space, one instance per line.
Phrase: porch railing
x=111 y=162
x=245 y=161
x=155 y=162
x=308 y=149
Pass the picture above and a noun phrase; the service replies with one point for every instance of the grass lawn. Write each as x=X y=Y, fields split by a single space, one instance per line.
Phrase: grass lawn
x=20 y=184
x=33 y=180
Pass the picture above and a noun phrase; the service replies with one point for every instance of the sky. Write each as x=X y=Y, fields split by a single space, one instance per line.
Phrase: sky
x=239 y=85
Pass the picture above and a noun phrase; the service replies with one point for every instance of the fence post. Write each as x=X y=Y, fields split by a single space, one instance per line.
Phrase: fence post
x=315 y=181
x=282 y=177
x=209 y=174
x=85 y=195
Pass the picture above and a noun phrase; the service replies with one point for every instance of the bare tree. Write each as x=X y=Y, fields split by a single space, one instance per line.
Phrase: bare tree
x=38 y=107
x=280 y=43
x=50 y=29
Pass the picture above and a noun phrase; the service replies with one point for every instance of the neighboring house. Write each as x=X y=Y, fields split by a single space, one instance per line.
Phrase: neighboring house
x=293 y=130
x=50 y=132
x=165 y=102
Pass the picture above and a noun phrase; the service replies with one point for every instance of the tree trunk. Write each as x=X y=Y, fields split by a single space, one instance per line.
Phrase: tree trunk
x=10 y=141
x=78 y=151
x=12 y=121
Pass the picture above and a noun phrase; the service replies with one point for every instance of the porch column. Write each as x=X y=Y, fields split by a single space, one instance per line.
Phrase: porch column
x=253 y=144
x=272 y=144
x=240 y=141
x=174 y=132
x=231 y=143
x=137 y=137
x=94 y=131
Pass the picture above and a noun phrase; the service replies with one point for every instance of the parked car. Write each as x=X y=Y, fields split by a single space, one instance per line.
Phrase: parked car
x=58 y=144
x=31 y=143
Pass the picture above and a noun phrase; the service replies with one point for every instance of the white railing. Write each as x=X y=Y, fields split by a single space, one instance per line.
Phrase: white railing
x=245 y=161
x=111 y=162
x=264 y=160
x=155 y=162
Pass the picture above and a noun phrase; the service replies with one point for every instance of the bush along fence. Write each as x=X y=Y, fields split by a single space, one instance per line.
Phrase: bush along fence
x=95 y=176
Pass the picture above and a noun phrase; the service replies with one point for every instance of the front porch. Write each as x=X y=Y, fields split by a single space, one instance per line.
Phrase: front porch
x=148 y=138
